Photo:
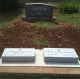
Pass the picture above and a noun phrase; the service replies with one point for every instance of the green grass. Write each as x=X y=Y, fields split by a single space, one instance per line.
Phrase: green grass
x=32 y=33
x=71 y=18
x=37 y=77
x=39 y=40
x=66 y=41
x=16 y=15
x=44 y=24
x=11 y=16
x=47 y=0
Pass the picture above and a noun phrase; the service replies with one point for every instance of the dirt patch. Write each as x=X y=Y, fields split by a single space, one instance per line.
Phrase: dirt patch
x=23 y=35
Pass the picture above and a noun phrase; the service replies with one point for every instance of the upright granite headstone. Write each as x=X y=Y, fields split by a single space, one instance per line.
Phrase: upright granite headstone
x=18 y=54
x=60 y=55
x=38 y=11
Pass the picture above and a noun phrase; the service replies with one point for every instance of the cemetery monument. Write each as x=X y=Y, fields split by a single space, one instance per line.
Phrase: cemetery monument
x=38 y=11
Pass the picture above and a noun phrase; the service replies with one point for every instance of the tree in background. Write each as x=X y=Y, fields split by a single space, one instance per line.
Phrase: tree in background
x=6 y=5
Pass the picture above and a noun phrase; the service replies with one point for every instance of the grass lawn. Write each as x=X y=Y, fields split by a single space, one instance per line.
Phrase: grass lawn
x=11 y=16
x=15 y=15
x=38 y=77
x=47 y=0
x=72 y=18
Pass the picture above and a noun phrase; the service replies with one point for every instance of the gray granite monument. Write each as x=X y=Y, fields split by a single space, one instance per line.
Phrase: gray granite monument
x=38 y=11
x=60 y=55
x=18 y=54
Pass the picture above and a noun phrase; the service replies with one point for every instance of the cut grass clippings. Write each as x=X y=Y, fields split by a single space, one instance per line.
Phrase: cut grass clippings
x=45 y=24
x=66 y=41
x=39 y=40
x=32 y=33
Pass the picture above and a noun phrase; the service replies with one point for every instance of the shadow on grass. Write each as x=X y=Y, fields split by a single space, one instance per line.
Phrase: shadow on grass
x=10 y=15
x=48 y=0
x=27 y=76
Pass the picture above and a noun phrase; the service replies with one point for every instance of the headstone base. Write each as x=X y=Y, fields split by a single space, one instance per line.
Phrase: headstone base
x=29 y=18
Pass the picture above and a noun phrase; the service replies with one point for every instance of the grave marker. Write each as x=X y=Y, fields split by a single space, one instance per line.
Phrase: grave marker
x=38 y=11
x=18 y=54
x=60 y=55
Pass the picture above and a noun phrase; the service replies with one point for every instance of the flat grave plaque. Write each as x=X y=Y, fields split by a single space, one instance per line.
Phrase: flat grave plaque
x=18 y=54
x=60 y=55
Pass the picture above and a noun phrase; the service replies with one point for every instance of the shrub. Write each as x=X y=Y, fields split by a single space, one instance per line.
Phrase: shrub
x=69 y=7
x=6 y=5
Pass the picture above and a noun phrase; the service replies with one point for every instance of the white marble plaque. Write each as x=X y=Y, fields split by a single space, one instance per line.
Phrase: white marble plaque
x=18 y=54
x=39 y=62
x=60 y=55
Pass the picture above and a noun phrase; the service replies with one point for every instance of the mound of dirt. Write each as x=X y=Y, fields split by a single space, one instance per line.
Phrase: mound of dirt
x=23 y=35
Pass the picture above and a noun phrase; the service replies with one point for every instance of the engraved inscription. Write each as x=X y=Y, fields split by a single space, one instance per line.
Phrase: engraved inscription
x=19 y=52
x=59 y=52
x=39 y=13
x=39 y=8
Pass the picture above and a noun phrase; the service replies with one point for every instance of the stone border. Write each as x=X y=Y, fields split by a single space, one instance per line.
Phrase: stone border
x=37 y=71
x=39 y=62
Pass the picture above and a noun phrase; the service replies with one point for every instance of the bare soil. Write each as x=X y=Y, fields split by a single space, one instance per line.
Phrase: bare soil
x=18 y=36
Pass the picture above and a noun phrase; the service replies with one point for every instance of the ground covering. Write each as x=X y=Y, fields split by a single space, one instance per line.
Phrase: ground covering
x=48 y=0
x=24 y=34
x=38 y=77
